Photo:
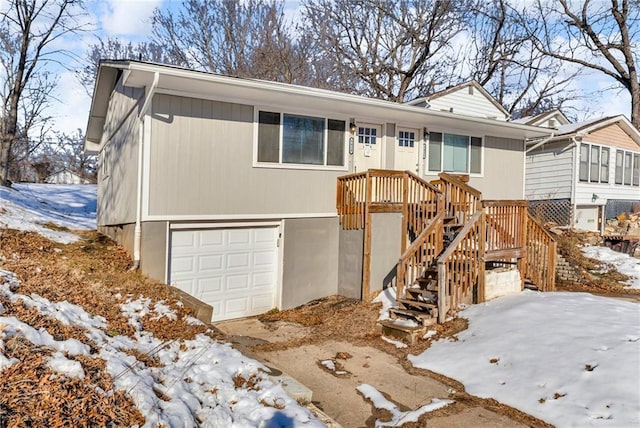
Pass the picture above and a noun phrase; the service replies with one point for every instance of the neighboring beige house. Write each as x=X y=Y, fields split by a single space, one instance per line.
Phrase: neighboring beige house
x=226 y=187
x=66 y=177
x=589 y=171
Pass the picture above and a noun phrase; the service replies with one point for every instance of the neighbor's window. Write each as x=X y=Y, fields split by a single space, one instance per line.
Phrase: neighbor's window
x=594 y=163
x=455 y=153
x=584 y=162
x=406 y=138
x=636 y=169
x=296 y=139
x=619 y=165
x=627 y=168
x=604 y=165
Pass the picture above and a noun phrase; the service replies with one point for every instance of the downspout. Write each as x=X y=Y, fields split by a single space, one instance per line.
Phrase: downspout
x=137 y=233
x=574 y=178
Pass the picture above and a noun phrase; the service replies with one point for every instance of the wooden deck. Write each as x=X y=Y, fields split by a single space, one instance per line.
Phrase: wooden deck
x=449 y=234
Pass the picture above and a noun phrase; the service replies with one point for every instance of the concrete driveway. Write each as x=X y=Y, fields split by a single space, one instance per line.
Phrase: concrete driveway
x=334 y=391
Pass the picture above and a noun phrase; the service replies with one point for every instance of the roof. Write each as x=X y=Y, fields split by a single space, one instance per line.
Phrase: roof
x=456 y=88
x=581 y=129
x=199 y=84
x=536 y=119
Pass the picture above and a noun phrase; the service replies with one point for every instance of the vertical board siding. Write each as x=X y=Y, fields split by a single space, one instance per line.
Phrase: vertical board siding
x=549 y=172
x=503 y=172
x=117 y=188
x=202 y=164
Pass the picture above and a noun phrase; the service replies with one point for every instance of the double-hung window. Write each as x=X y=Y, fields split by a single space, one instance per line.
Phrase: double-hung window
x=455 y=153
x=594 y=163
x=294 y=139
x=627 y=168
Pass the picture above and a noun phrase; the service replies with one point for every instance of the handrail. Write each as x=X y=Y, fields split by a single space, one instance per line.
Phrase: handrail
x=540 y=265
x=420 y=254
x=464 y=186
x=460 y=265
x=460 y=199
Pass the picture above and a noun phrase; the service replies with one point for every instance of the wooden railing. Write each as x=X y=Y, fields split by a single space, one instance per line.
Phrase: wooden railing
x=423 y=203
x=461 y=201
x=351 y=200
x=461 y=266
x=506 y=223
x=421 y=254
x=541 y=256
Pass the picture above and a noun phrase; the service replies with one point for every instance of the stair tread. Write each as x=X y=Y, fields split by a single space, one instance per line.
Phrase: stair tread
x=417 y=315
x=418 y=303
x=422 y=291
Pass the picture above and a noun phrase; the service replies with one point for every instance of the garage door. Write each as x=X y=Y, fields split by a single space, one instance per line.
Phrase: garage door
x=233 y=270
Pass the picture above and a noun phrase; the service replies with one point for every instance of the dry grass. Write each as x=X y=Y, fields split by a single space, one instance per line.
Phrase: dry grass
x=94 y=274
x=569 y=244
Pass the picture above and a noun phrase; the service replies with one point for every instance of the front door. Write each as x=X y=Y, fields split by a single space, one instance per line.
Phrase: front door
x=368 y=148
x=407 y=150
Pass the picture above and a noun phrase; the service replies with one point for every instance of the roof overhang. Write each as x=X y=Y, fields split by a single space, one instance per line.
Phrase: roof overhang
x=199 y=84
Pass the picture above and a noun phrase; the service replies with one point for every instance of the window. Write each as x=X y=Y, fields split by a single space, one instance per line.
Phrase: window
x=406 y=138
x=619 y=163
x=584 y=162
x=594 y=172
x=303 y=140
x=627 y=168
x=594 y=163
x=604 y=165
x=367 y=135
x=455 y=153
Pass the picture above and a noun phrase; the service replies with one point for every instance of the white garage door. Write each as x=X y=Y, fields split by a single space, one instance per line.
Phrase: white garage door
x=233 y=270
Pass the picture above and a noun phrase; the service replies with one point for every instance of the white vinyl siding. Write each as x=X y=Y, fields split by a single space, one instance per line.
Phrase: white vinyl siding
x=549 y=172
x=468 y=103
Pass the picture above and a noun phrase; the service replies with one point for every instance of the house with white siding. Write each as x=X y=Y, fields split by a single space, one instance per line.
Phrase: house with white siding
x=587 y=171
x=226 y=187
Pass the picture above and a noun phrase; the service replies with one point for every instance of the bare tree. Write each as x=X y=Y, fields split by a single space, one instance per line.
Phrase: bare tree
x=114 y=48
x=500 y=55
x=596 y=35
x=27 y=30
x=397 y=49
x=245 y=39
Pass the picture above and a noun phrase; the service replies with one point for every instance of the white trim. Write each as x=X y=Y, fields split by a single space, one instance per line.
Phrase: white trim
x=238 y=217
x=167 y=253
x=225 y=225
x=280 y=273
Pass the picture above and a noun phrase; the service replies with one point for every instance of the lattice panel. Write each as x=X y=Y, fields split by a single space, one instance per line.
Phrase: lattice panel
x=552 y=210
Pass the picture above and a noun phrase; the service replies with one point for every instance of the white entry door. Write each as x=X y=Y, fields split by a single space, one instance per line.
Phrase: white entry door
x=234 y=270
x=368 y=148
x=407 y=153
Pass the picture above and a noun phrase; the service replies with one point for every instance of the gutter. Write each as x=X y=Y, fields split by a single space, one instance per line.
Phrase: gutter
x=137 y=234
x=540 y=143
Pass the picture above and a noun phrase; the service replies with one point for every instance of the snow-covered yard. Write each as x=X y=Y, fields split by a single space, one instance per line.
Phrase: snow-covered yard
x=571 y=359
x=623 y=263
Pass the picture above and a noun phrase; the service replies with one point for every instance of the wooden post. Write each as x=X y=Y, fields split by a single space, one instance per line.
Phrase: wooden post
x=366 y=260
x=481 y=249
x=522 y=261
x=443 y=305
x=405 y=212
x=551 y=273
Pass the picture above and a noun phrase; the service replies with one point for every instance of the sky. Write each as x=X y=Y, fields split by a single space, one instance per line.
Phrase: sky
x=129 y=20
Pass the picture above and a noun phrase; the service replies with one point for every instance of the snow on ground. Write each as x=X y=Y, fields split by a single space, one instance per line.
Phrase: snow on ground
x=571 y=359
x=198 y=378
x=28 y=207
x=623 y=263
x=398 y=417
